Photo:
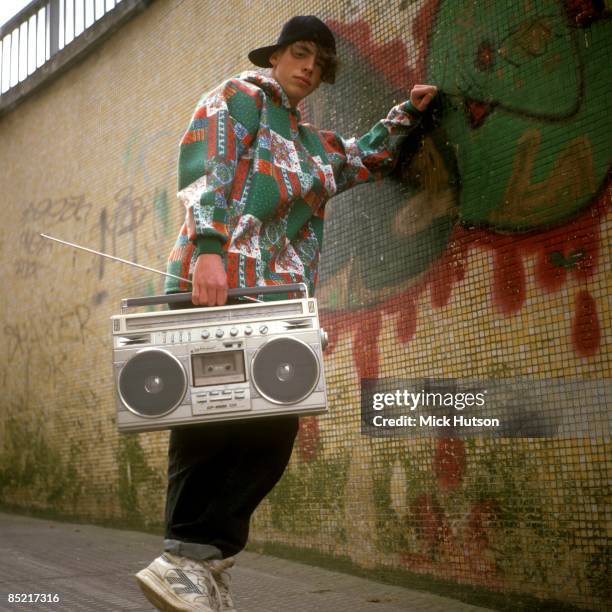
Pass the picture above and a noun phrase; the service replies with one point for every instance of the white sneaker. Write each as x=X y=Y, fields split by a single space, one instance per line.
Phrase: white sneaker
x=219 y=570
x=179 y=584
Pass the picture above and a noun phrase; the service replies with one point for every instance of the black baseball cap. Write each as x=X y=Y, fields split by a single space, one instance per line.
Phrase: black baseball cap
x=301 y=27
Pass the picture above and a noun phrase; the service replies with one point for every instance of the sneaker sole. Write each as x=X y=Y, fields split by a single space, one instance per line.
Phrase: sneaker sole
x=149 y=585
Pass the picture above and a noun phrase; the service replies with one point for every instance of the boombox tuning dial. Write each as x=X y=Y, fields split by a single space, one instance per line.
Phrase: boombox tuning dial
x=205 y=334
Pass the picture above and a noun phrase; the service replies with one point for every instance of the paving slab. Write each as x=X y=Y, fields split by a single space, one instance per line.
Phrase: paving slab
x=91 y=569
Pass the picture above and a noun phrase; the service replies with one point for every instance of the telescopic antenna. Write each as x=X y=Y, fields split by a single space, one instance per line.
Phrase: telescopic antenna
x=131 y=263
x=125 y=261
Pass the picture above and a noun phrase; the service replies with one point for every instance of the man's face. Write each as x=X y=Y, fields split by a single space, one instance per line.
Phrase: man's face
x=298 y=69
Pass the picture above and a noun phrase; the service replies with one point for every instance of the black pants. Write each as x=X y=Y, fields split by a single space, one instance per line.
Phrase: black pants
x=218 y=473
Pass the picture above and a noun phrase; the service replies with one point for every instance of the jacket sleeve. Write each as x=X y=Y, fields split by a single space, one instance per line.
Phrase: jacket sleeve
x=372 y=156
x=222 y=128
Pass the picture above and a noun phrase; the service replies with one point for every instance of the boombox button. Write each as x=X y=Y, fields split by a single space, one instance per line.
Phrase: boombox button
x=226 y=393
x=248 y=330
x=219 y=333
x=263 y=329
x=234 y=331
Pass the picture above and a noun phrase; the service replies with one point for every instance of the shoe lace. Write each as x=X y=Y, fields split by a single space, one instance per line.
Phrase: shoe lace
x=203 y=569
x=223 y=580
x=223 y=586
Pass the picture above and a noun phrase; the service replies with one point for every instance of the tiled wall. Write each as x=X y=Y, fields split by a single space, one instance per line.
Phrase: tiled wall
x=486 y=256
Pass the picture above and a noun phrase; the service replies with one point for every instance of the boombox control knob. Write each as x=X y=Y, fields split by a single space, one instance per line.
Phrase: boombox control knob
x=219 y=333
x=324 y=339
x=205 y=334
x=248 y=330
x=234 y=331
x=263 y=329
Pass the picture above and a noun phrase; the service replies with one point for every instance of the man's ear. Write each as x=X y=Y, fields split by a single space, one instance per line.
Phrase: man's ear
x=274 y=57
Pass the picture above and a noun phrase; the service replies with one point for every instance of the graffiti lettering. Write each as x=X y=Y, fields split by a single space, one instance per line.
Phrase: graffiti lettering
x=129 y=214
x=26 y=269
x=33 y=243
x=70 y=208
x=22 y=338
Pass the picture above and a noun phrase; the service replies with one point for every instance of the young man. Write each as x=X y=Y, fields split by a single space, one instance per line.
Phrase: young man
x=254 y=181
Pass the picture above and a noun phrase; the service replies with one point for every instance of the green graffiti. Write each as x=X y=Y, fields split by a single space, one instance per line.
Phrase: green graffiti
x=139 y=486
x=29 y=461
x=307 y=490
x=573 y=257
x=160 y=205
x=524 y=109
x=391 y=527
x=127 y=152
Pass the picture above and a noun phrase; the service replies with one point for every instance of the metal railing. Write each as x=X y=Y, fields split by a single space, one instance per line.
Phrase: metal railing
x=40 y=30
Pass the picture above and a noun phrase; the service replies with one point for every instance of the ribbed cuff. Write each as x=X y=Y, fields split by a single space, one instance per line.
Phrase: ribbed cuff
x=192 y=550
x=207 y=245
x=412 y=109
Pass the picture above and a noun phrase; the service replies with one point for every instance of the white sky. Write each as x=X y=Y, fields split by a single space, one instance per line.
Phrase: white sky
x=18 y=60
x=8 y=8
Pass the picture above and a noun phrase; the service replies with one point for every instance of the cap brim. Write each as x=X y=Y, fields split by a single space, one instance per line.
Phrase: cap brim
x=261 y=57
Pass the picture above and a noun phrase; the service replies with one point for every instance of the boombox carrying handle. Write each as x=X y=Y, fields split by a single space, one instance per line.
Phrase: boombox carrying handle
x=180 y=298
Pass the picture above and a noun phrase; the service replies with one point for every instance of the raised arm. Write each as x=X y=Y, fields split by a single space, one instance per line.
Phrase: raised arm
x=372 y=156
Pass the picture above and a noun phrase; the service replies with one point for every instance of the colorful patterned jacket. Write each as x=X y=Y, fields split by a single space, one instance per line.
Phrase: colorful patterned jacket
x=255 y=180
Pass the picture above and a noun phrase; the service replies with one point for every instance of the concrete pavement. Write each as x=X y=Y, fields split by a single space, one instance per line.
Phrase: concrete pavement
x=91 y=569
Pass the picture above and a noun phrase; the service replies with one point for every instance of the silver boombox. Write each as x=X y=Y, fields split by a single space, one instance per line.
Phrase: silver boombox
x=194 y=365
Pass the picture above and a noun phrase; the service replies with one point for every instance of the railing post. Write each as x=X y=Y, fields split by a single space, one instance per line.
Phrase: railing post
x=54 y=13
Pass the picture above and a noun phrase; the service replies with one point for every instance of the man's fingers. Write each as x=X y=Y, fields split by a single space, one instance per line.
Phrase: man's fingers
x=209 y=296
x=220 y=295
x=427 y=90
x=199 y=297
x=209 y=281
x=212 y=297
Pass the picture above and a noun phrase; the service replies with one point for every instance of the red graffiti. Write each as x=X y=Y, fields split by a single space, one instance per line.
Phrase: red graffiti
x=482 y=517
x=477 y=112
x=560 y=252
x=308 y=439
x=365 y=347
x=509 y=279
x=584 y=12
x=449 y=463
x=390 y=60
x=430 y=521
x=586 y=332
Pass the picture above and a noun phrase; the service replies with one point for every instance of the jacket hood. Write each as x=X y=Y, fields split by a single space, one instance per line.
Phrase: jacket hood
x=272 y=88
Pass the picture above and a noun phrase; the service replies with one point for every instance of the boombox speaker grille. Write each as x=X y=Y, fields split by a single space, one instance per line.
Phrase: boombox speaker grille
x=152 y=383
x=285 y=370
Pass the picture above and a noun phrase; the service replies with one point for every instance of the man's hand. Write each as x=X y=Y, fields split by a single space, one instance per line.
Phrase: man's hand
x=422 y=95
x=209 y=281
